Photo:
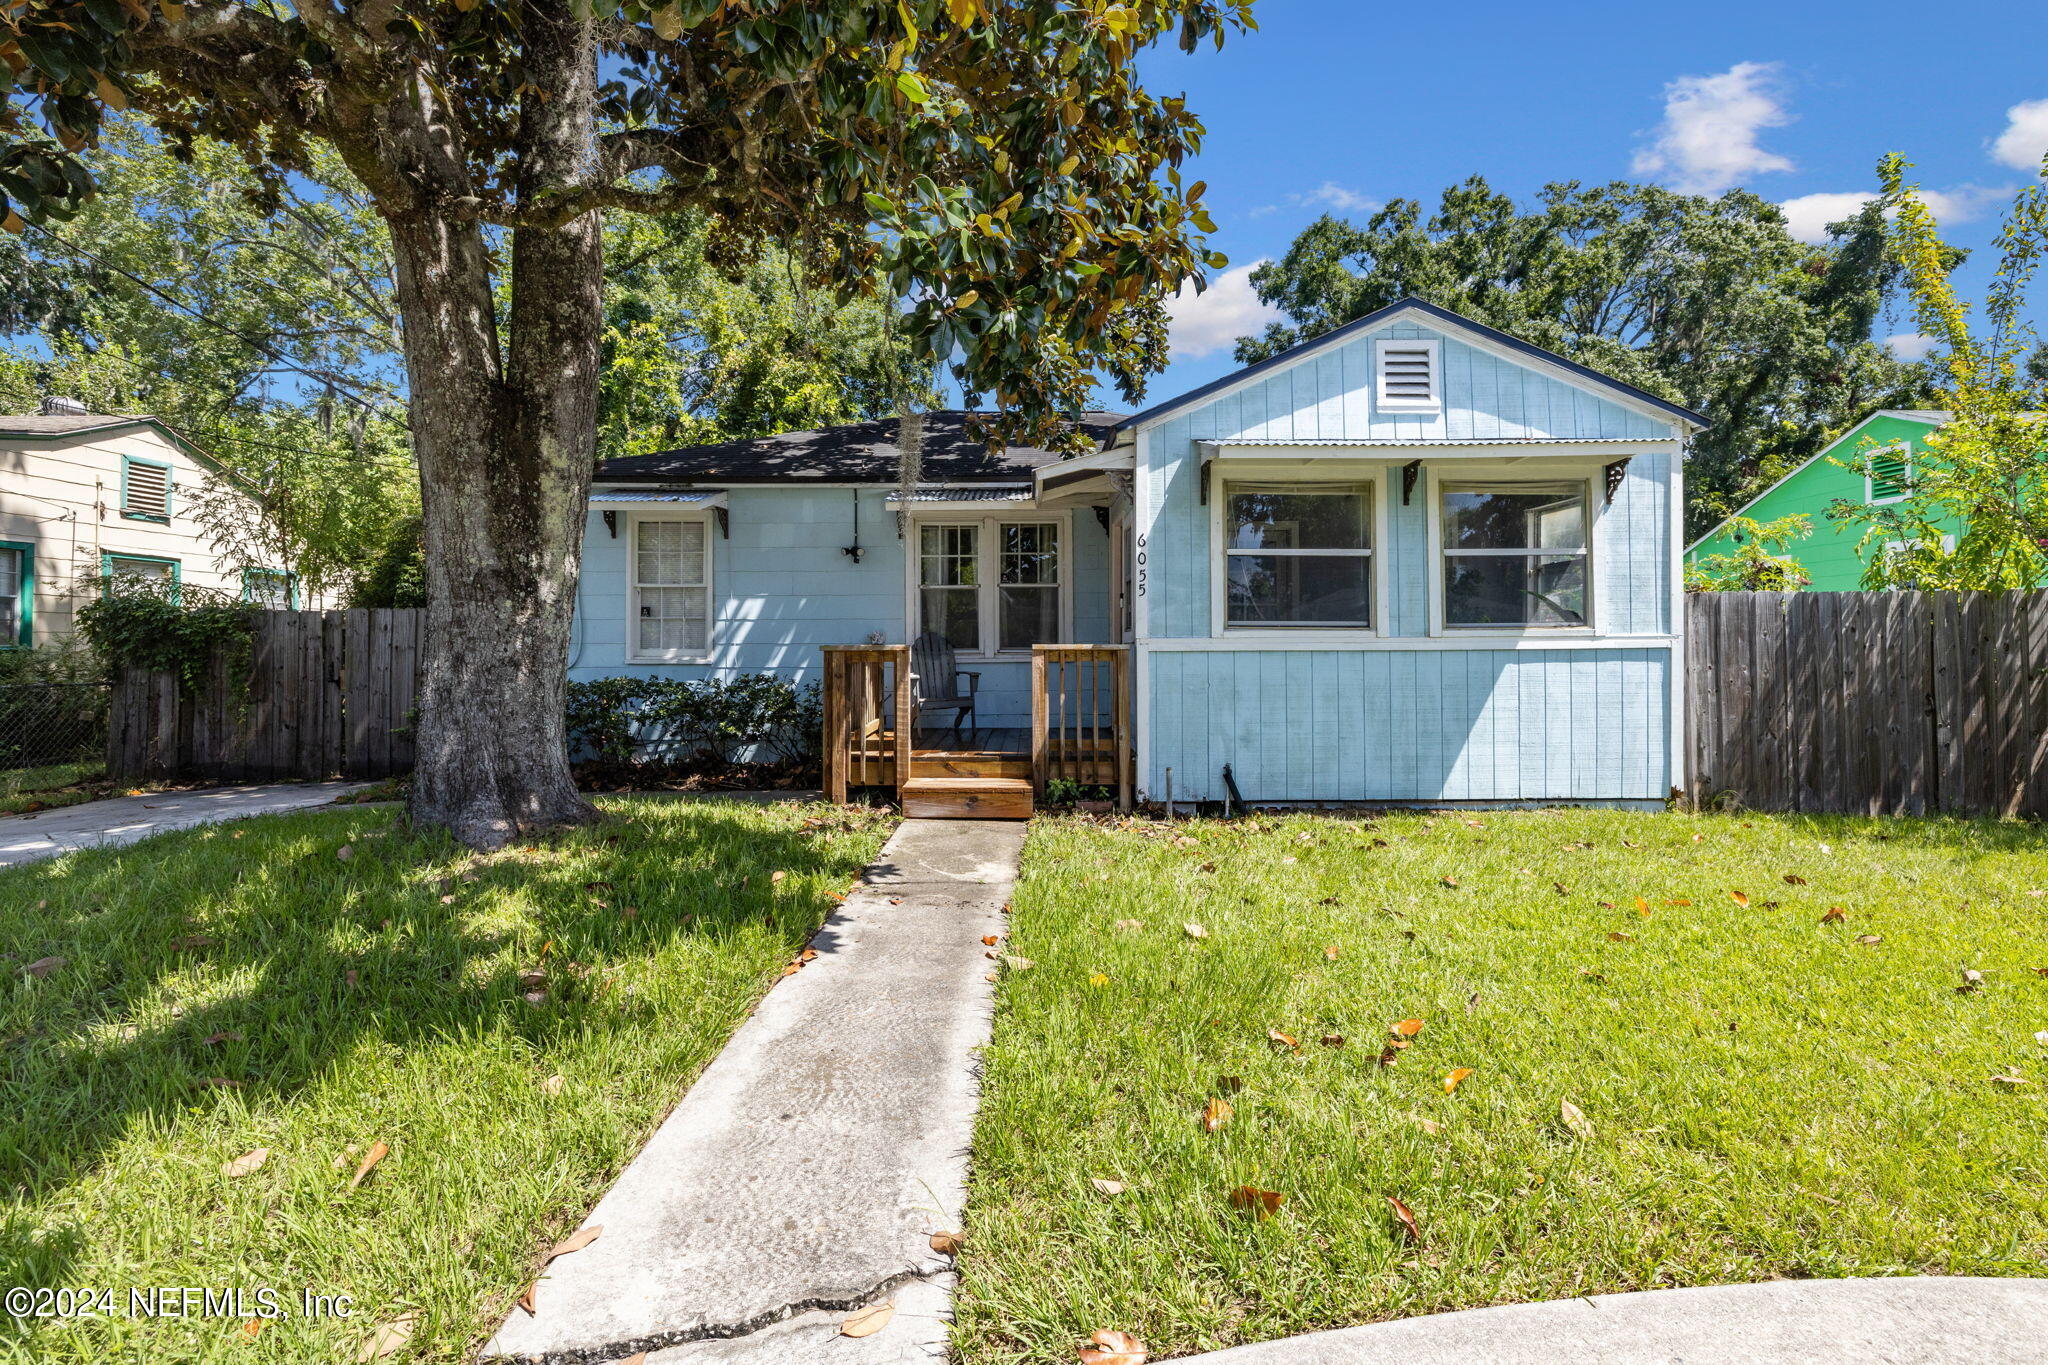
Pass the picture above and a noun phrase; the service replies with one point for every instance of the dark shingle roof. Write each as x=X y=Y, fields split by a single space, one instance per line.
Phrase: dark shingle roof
x=62 y=424
x=860 y=452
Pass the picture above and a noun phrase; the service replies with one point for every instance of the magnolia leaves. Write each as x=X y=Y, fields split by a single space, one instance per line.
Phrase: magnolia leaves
x=865 y=1322
x=1108 y=1347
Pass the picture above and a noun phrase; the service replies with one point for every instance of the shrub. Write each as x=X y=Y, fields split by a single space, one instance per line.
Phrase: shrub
x=705 y=723
x=167 y=627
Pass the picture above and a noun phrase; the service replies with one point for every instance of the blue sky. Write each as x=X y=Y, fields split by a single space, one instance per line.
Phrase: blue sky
x=1336 y=105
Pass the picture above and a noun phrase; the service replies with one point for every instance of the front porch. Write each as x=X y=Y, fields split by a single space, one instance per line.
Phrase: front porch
x=1079 y=735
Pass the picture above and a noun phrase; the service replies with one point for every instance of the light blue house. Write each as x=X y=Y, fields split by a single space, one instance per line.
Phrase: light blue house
x=1413 y=561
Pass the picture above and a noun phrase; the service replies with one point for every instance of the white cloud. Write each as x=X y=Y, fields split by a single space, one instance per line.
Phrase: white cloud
x=1332 y=195
x=1228 y=309
x=1808 y=215
x=1262 y=210
x=1910 y=345
x=1707 y=141
x=2025 y=139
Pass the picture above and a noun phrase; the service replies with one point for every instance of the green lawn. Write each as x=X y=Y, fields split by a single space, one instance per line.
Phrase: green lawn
x=1768 y=1095
x=511 y=1028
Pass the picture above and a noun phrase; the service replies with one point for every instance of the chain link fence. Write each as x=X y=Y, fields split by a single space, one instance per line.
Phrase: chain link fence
x=49 y=723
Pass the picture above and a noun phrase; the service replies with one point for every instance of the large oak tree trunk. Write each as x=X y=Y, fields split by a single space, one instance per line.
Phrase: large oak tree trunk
x=506 y=446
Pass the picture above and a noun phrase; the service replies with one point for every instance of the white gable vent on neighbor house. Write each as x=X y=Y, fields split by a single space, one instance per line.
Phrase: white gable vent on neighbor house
x=1407 y=375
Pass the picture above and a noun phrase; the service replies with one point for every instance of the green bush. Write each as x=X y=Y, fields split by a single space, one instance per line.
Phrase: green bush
x=702 y=723
x=167 y=627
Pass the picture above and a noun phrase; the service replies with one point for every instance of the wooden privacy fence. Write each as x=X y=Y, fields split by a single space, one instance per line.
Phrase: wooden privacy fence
x=1902 y=703
x=327 y=693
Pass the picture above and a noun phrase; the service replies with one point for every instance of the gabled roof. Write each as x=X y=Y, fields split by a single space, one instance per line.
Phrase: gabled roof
x=1442 y=317
x=1932 y=417
x=53 y=426
x=859 y=452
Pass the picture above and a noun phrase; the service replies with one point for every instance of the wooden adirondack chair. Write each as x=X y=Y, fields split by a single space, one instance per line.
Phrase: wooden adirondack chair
x=935 y=681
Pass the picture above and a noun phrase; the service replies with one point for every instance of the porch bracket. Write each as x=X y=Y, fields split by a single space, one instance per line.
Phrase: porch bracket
x=611 y=522
x=1409 y=473
x=724 y=522
x=1615 y=471
x=1205 y=483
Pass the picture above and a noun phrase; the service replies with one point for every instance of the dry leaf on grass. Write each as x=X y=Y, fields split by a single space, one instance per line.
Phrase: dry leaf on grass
x=1286 y=1042
x=224 y=1036
x=552 y=1085
x=43 y=966
x=2012 y=1077
x=948 y=1243
x=1973 y=980
x=1111 y=1347
x=1332 y=1040
x=1407 y=1028
x=867 y=1321
x=1835 y=915
x=1451 y=882
x=1738 y=897
x=1575 y=1119
x=344 y=853
x=1870 y=940
x=1017 y=964
x=1130 y=924
x=1456 y=1078
x=530 y=1300
x=1794 y=879
x=1193 y=930
x=1411 y=1230
x=1215 y=1114
x=576 y=1241
x=1108 y=1187
x=1332 y=952
x=1262 y=1203
x=246 y=1163
x=1616 y=936
x=378 y=1151
x=1429 y=1126
x=388 y=1338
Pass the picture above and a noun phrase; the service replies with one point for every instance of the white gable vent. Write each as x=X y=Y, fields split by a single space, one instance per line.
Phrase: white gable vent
x=1408 y=375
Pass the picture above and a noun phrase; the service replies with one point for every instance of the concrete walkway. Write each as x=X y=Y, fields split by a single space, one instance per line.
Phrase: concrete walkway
x=125 y=819
x=804 y=1173
x=1916 y=1321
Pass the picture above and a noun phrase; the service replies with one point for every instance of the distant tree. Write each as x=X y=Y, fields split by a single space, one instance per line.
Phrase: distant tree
x=999 y=165
x=1707 y=302
x=1759 y=562
x=1987 y=466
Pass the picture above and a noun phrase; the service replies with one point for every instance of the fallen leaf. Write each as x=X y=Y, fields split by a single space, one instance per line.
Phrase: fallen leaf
x=948 y=1243
x=1429 y=1126
x=1642 y=907
x=575 y=1241
x=1575 y=1119
x=1451 y=882
x=1331 y=952
x=1738 y=897
x=246 y=1163
x=1215 y=1114
x=344 y=853
x=552 y=1085
x=1456 y=1078
x=1193 y=930
x=1973 y=980
x=1835 y=915
x=1263 y=1203
x=1283 y=1040
x=1794 y=879
x=1870 y=940
x=1108 y=1187
x=1407 y=1028
x=1230 y=1085
x=1411 y=1231
x=1679 y=901
x=224 y=1036
x=1018 y=964
x=1331 y=1040
x=777 y=878
x=990 y=940
x=1130 y=924
x=43 y=966
x=867 y=1321
x=388 y=1338
x=252 y=1327
x=1111 y=1347
x=2012 y=1078
x=378 y=1151
x=530 y=1300
x=1616 y=936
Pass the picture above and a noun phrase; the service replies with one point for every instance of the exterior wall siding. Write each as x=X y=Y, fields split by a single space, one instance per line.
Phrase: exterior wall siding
x=1404 y=719
x=781 y=588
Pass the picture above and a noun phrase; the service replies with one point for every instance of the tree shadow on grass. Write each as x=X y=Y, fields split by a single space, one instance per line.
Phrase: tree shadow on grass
x=256 y=958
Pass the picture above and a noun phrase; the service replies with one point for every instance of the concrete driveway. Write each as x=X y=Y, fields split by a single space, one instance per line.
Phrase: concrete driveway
x=125 y=819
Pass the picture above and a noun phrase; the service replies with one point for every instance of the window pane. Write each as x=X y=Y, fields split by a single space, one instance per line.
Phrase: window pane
x=946 y=556
x=141 y=569
x=668 y=553
x=1263 y=518
x=1030 y=616
x=1515 y=519
x=1295 y=589
x=10 y=596
x=1031 y=554
x=951 y=613
x=1515 y=590
x=674 y=619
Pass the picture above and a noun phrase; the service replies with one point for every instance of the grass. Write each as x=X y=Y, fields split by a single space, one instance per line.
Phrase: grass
x=1769 y=1095
x=51 y=785
x=248 y=986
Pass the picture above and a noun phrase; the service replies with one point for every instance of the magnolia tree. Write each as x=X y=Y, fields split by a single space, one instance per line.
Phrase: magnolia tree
x=1984 y=469
x=995 y=162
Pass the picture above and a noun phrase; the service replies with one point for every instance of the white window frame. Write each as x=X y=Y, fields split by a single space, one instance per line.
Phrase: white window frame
x=637 y=655
x=1442 y=481
x=988 y=559
x=1402 y=403
x=1904 y=450
x=1374 y=478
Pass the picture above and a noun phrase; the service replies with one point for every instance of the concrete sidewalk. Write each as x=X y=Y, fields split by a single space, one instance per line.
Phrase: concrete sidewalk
x=803 y=1174
x=125 y=819
x=1906 y=1321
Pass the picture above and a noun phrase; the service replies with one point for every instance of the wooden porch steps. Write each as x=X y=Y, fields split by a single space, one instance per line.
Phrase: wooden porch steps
x=967 y=798
x=939 y=763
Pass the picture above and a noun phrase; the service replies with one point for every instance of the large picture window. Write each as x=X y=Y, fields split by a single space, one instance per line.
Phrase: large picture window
x=1297 y=554
x=669 y=611
x=991 y=586
x=1515 y=555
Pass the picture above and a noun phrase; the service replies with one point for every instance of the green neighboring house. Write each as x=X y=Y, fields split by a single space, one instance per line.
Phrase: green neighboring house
x=1829 y=554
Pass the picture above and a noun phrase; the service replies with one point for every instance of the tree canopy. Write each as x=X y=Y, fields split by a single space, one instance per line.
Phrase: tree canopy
x=1708 y=302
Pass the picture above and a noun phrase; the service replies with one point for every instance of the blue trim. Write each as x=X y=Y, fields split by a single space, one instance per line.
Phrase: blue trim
x=170 y=477
x=25 y=589
x=1379 y=318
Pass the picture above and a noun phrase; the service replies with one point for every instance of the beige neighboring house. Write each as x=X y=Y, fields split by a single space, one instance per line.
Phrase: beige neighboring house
x=86 y=494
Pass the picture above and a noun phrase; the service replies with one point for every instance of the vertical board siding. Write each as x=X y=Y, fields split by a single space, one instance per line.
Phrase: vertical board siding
x=1869 y=703
x=1411 y=725
x=782 y=587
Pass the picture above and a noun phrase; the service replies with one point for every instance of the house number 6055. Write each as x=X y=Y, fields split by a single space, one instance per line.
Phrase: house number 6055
x=1141 y=564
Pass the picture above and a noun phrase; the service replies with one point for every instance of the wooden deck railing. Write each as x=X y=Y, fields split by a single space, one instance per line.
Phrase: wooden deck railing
x=1081 y=717
x=867 y=717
